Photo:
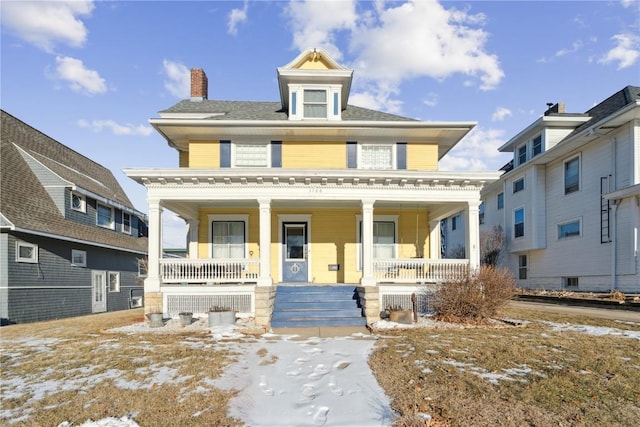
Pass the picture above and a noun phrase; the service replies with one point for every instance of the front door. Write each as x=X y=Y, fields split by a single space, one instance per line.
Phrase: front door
x=99 y=291
x=295 y=265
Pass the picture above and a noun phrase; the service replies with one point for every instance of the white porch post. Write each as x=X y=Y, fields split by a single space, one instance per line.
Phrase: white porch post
x=473 y=233
x=368 y=279
x=434 y=239
x=152 y=282
x=265 y=243
x=193 y=225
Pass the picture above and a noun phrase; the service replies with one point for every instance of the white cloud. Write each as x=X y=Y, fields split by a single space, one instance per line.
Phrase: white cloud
x=500 y=114
x=178 y=81
x=237 y=16
x=629 y=3
x=625 y=53
x=477 y=151
x=116 y=128
x=575 y=46
x=80 y=79
x=315 y=23
x=431 y=100
x=45 y=24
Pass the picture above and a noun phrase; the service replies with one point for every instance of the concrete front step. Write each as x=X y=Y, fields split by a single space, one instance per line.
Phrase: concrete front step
x=316 y=314
x=304 y=322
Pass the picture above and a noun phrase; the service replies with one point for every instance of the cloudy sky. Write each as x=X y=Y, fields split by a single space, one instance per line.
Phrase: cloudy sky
x=91 y=74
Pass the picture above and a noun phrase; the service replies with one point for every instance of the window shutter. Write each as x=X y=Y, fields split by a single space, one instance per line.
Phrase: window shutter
x=276 y=154
x=225 y=154
x=352 y=154
x=401 y=155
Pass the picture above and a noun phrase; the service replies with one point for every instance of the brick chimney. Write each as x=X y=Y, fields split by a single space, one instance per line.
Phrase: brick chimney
x=554 y=109
x=199 y=85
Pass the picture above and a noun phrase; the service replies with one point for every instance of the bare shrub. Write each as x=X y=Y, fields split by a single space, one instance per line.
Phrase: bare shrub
x=475 y=297
x=491 y=245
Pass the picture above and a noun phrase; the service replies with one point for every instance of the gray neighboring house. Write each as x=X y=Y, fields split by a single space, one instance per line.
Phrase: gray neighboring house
x=70 y=239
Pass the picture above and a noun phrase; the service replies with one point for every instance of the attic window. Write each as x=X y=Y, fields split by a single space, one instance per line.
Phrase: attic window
x=315 y=103
x=78 y=202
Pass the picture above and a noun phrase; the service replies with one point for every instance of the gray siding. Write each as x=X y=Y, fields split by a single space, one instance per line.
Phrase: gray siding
x=53 y=288
x=4 y=281
x=51 y=182
x=89 y=217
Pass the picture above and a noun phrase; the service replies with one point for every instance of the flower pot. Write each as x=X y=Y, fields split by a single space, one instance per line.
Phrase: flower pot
x=186 y=318
x=218 y=318
x=155 y=320
x=401 y=316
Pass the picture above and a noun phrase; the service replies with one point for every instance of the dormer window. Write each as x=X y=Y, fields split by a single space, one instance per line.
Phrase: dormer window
x=314 y=102
x=537 y=145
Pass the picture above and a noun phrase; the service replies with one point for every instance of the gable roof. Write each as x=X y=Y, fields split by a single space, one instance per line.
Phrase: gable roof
x=27 y=206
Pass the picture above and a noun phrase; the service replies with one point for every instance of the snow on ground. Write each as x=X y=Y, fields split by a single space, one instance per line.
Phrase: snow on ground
x=314 y=381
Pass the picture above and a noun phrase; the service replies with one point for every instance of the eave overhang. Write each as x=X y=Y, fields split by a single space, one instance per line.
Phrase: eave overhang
x=178 y=132
x=544 y=122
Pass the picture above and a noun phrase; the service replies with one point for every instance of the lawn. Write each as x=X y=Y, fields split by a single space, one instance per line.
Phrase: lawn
x=542 y=372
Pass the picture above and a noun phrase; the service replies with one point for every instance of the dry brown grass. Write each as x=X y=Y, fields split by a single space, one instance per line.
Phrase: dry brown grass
x=555 y=378
x=74 y=370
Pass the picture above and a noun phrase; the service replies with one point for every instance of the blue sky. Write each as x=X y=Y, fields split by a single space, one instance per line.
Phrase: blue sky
x=91 y=74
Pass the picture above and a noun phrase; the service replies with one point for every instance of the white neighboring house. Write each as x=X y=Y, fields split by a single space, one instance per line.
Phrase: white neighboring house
x=569 y=202
x=453 y=236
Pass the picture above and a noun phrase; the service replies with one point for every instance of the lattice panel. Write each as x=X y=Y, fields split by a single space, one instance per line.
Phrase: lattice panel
x=201 y=303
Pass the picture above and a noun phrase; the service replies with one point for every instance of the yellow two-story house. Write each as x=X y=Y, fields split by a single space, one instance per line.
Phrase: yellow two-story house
x=307 y=190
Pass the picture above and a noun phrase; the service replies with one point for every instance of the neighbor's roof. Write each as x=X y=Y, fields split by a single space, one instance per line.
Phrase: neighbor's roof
x=255 y=110
x=26 y=204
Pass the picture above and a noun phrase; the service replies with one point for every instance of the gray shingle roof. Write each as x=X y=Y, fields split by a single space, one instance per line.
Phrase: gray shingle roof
x=255 y=110
x=26 y=203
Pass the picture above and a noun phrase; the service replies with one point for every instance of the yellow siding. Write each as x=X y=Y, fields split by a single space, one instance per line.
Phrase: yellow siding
x=318 y=64
x=204 y=154
x=204 y=230
x=422 y=156
x=315 y=155
x=184 y=159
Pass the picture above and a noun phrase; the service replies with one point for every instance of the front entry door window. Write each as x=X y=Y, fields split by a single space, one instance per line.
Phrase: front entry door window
x=295 y=260
x=99 y=291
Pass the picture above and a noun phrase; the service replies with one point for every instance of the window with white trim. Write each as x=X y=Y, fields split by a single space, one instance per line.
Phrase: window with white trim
x=522 y=267
x=518 y=222
x=500 y=201
x=228 y=238
x=142 y=267
x=536 y=146
x=126 y=222
x=518 y=185
x=384 y=238
x=522 y=154
x=250 y=155
x=314 y=103
x=78 y=258
x=376 y=156
x=26 y=252
x=569 y=229
x=78 y=202
x=105 y=216
x=114 y=281
x=572 y=175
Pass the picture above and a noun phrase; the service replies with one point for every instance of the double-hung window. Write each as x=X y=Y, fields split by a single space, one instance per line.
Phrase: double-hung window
x=572 y=175
x=228 y=239
x=384 y=238
x=105 y=216
x=126 y=222
x=522 y=154
x=536 y=146
x=518 y=222
x=315 y=103
x=518 y=185
x=376 y=156
x=500 y=201
x=114 y=281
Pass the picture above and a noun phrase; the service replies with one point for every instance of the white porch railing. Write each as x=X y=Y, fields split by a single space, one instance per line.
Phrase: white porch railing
x=418 y=270
x=183 y=270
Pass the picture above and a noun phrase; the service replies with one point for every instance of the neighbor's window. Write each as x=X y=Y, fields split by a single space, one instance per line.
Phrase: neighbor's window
x=518 y=223
x=518 y=185
x=78 y=202
x=569 y=229
x=26 y=252
x=522 y=267
x=315 y=103
x=537 y=146
x=114 y=281
x=228 y=239
x=142 y=267
x=481 y=213
x=572 y=175
x=500 y=201
x=251 y=155
x=105 y=216
x=454 y=222
x=570 y=282
x=376 y=156
x=126 y=222
x=522 y=154
x=78 y=258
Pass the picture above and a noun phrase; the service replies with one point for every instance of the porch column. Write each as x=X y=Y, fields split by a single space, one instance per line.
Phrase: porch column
x=368 y=278
x=265 y=243
x=434 y=239
x=152 y=282
x=473 y=233
x=193 y=225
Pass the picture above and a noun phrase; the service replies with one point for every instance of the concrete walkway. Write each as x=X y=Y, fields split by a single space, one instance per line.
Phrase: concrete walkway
x=602 y=313
x=323 y=331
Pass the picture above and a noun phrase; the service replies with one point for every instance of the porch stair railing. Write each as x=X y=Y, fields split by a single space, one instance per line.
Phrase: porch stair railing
x=418 y=270
x=184 y=270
